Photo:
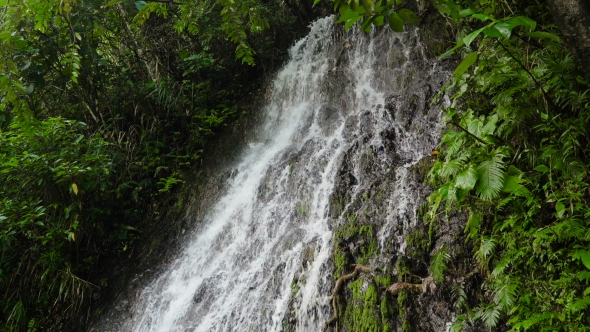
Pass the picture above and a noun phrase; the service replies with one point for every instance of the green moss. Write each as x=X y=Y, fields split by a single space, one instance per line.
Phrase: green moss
x=362 y=313
x=402 y=268
x=294 y=288
x=406 y=327
x=367 y=251
x=418 y=244
x=360 y=307
x=387 y=311
x=403 y=303
x=402 y=297
x=422 y=168
x=383 y=281
x=302 y=209
x=336 y=206
x=349 y=232
x=340 y=261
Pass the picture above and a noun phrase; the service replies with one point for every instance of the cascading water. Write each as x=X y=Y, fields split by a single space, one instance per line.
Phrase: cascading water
x=262 y=259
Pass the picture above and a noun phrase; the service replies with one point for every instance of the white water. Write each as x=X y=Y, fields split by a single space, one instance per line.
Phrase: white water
x=272 y=226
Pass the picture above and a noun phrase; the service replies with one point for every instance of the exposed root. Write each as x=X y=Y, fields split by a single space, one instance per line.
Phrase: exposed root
x=357 y=269
x=427 y=283
x=399 y=286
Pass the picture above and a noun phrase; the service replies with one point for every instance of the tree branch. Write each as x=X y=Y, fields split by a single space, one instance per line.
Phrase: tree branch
x=469 y=133
x=547 y=99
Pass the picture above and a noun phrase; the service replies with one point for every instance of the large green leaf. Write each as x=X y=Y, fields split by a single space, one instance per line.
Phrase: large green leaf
x=465 y=64
x=512 y=185
x=467 y=179
x=523 y=21
x=543 y=34
x=368 y=5
x=396 y=23
x=140 y=4
x=379 y=20
x=408 y=16
x=352 y=21
x=584 y=256
x=470 y=37
x=505 y=29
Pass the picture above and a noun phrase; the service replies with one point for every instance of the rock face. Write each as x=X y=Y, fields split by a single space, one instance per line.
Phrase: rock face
x=378 y=202
x=319 y=224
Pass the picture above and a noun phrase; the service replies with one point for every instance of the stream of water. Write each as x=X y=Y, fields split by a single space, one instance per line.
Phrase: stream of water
x=273 y=224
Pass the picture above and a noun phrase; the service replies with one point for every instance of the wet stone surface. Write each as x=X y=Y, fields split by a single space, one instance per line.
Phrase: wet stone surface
x=333 y=179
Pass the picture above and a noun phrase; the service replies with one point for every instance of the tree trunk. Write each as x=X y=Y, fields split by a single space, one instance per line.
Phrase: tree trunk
x=573 y=19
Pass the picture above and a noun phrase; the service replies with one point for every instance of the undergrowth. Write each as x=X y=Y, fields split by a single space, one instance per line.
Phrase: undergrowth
x=515 y=158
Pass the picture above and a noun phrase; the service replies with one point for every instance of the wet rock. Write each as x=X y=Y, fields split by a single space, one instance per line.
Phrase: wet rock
x=328 y=117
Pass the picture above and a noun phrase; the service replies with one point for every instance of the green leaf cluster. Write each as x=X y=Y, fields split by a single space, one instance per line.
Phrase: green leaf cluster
x=374 y=14
x=514 y=158
x=53 y=180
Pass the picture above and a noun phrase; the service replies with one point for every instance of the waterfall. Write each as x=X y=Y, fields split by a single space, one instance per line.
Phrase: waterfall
x=262 y=259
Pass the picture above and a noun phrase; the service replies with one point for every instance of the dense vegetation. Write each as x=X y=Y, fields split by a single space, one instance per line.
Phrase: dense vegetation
x=103 y=104
x=515 y=158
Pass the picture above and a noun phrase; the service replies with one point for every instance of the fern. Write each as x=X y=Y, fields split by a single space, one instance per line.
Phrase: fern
x=452 y=167
x=459 y=295
x=578 y=305
x=486 y=248
x=438 y=265
x=490 y=176
x=489 y=314
x=505 y=295
x=458 y=324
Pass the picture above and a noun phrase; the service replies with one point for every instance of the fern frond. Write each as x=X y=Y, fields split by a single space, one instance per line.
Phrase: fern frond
x=486 y=248
x=458 y=324
x=579 y=304
x=491 y=316
x=505 y=296
x=459 y=295
x=490 y=176
x=438 y=265
x=452 y=167
x=455 y=144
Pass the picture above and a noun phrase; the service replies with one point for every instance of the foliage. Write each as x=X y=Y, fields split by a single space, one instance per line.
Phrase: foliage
x=438 y=264
x=371 y=13
x=515 y=159
x=53 y=178
x=103 y=107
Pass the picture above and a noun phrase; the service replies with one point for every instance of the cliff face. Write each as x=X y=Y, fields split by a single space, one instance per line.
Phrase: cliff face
x=392 y=269
x=328 y=231
x=383 y=249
